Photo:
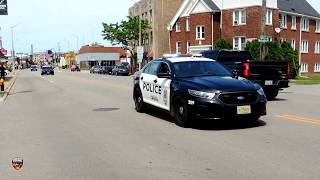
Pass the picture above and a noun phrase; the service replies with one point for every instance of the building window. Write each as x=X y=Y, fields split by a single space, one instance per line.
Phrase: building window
x=304 y=46
x=318 y=26
x=239 y=43
x=305 y=24
x=151 y=16
x=317 y=67
x=269 y=17
x=317 y=47
x=283 y=21
x=282 y=40
x=178 y=47
x=188 y=47
x=304 y=67
x=293 y=44
x=200 y=33
x=187 y=24
x=239 y=17
x=294 y=22
x=178 y=27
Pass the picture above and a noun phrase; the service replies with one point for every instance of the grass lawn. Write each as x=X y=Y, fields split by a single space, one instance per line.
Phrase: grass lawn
x=1 y=94
x=306 y=80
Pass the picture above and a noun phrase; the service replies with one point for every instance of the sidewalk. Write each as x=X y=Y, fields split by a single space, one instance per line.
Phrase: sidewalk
x=9 y=82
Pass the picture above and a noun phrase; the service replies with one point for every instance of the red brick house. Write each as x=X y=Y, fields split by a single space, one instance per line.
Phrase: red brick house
x=199 y=23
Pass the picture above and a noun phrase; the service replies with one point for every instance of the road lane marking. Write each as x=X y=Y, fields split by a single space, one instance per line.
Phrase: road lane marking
x=300 y=119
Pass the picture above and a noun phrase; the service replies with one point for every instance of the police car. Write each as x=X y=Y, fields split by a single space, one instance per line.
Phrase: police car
x=192 y=88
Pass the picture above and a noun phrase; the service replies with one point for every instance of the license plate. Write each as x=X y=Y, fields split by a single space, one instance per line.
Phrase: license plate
x=244 y=110
x=268 y=83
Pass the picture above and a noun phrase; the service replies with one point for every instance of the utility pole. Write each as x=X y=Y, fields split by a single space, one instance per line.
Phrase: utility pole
x=32 y=58
x=12 y=48
x=263 y=47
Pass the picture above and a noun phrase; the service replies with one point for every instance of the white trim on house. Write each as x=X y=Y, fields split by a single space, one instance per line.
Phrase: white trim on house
x=182 y=9
x=208 y=9
x=179 y=12
x=297 y=14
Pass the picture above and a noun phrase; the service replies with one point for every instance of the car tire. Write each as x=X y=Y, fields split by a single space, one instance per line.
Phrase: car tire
x=138 y=101
x=272 y=94
x=181 y=113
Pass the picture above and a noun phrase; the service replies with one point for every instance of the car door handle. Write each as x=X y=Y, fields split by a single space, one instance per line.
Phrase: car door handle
x=141 y=78
x=155 y=81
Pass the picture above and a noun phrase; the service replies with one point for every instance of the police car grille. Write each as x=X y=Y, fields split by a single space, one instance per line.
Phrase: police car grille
x=239 y=98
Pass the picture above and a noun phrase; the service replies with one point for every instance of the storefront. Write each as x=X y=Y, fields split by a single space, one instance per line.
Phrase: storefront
x=99 y=56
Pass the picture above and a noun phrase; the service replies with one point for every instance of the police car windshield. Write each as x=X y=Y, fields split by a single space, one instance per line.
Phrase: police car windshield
x=199 y=68
x=46 y=67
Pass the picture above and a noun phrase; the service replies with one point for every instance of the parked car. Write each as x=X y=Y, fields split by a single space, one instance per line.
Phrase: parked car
x=272 y=76
x=120 y=70
x=34 y=68
x=47 y=70
x=75 y=68
x=106 y=69
x=95 y=69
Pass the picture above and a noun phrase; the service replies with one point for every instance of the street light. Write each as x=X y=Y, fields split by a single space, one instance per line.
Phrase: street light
x=12 y=47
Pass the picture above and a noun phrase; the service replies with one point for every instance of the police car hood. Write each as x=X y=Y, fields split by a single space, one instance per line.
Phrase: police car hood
x=224 y=84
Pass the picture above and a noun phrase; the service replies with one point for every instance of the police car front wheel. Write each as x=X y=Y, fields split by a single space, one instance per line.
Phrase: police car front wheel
x=138 y=101
x=181 y=113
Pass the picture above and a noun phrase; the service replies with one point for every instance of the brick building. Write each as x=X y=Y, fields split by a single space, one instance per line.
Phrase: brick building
x=199 y=23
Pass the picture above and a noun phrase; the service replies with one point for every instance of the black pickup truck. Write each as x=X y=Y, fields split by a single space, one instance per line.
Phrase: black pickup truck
x=272 y=76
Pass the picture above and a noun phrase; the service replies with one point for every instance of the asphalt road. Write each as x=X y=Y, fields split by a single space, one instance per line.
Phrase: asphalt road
x=79 y=126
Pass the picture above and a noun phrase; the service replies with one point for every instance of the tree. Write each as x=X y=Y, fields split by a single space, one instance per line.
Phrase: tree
x=254 y=48
x=126 y=34
x=276 y=52
x=222 y=44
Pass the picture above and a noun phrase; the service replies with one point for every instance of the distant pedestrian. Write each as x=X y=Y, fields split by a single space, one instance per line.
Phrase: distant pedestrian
x=2 y=72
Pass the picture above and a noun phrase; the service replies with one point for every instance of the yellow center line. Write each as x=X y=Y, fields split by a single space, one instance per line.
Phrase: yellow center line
x=300 y=119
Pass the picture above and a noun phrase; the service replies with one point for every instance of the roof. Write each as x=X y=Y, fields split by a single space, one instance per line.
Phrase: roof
x=209 y=3
x=298 y=7
x=101 y=49
x=212 y=5
x=187 y=59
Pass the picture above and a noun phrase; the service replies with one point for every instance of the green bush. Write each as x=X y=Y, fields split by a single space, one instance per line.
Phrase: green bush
x=277 y=52
x=222 y=44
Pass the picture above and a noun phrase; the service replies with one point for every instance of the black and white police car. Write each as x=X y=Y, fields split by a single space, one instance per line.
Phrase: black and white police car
x=195 y=87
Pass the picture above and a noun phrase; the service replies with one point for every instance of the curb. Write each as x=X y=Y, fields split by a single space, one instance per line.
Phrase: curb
x=7 y=92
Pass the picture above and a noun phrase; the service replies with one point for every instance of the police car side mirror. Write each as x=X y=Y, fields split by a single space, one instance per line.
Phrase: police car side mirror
x=165 y=75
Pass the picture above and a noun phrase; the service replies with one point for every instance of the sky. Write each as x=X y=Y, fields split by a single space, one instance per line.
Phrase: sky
x=47 y=23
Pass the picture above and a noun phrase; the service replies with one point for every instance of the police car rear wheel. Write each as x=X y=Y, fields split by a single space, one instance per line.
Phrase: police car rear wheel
x=138 y=101
x=181 y=113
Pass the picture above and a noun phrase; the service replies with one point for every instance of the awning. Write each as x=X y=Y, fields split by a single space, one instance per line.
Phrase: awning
x=199 y=49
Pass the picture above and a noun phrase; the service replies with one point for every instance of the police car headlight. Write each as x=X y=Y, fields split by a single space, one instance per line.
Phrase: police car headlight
x=201 y=94
x=259 y=90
